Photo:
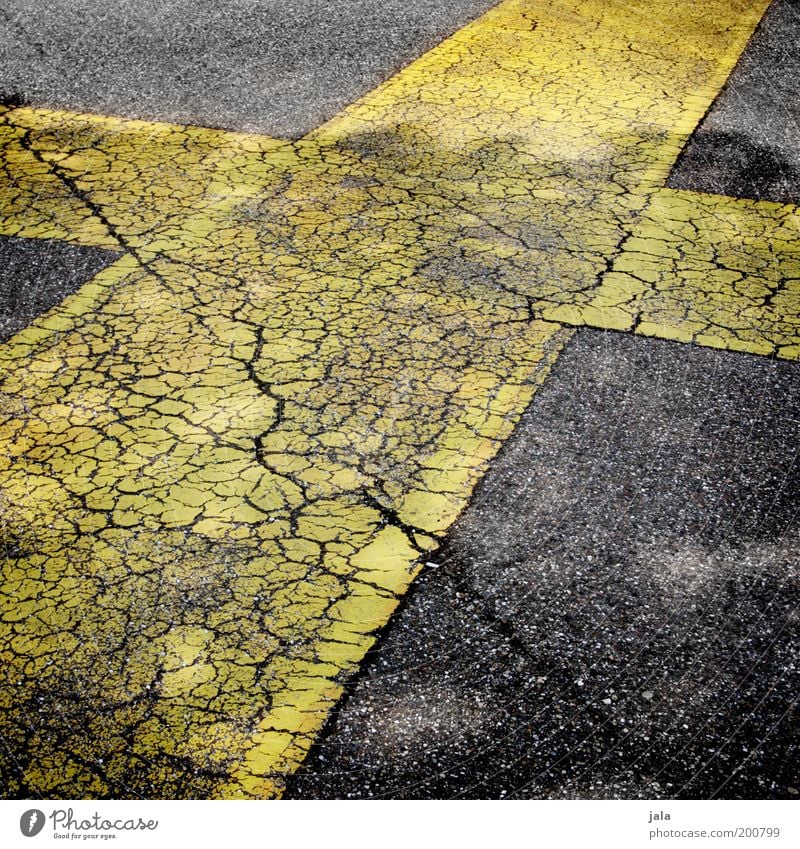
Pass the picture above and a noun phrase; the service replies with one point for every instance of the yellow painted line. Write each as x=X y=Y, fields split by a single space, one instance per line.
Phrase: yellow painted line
x=35 y=203
x=225 y=456
x=711 y=270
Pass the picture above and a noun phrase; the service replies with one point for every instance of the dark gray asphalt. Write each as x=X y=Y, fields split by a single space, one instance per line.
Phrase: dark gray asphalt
x=749 y=143
x=279 y=67
x=36 y=274
x=616 y=615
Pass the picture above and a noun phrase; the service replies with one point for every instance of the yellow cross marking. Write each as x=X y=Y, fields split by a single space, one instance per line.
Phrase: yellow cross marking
x=227 y=455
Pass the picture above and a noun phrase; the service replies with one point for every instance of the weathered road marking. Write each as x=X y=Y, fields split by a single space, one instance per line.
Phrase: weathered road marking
x=225 y=455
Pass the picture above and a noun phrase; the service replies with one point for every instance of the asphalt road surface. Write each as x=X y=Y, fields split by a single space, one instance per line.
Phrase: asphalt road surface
x=398 y=406
x=279 y=68
x=615 y=615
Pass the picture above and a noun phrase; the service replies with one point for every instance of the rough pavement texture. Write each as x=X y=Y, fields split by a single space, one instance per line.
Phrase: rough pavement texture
x=230 y=451
x=616 y=614
x=747 y=145
x=274 y=67
x=37 y=275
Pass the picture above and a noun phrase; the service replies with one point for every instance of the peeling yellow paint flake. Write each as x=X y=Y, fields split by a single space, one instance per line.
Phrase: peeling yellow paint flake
x=226 y=455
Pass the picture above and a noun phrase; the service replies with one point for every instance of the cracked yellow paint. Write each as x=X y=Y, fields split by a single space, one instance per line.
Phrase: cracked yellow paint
x=226 y=454
x=710 y=270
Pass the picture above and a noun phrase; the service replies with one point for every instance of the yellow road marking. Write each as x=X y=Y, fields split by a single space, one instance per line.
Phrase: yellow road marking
x=226 y=454
x=711 y=270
